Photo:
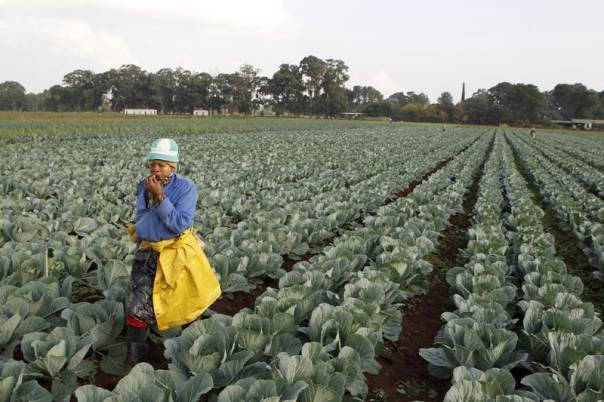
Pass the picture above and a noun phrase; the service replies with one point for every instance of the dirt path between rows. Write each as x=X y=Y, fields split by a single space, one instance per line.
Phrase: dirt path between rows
x=404 y=375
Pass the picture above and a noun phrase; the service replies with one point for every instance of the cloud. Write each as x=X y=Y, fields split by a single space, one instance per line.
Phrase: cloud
x=383 y=81
x=72 y=40
x=262 y=18
x=45 y=39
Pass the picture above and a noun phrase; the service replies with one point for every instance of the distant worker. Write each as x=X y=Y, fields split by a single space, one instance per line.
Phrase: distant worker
x=444 y=127
x=533 y=132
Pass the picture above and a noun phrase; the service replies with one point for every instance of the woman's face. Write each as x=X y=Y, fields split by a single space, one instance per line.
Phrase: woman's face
x=160 y=169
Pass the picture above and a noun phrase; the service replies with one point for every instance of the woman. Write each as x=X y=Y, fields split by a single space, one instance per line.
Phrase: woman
x=171 y=282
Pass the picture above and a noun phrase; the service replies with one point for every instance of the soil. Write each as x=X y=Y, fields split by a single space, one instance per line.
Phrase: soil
x=421 y=322
x=404 y=376
x=154 y=356
x=567 y=246
x=235 y=302
x=106 y=381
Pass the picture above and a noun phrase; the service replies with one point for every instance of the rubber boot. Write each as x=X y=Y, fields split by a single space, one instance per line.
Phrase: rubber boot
x=137 y=348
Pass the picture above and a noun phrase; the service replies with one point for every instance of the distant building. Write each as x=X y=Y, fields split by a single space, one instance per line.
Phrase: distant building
x=585 y=124
x=201 y=112
x=266 y=111
x=351 y=115
x=141 y=112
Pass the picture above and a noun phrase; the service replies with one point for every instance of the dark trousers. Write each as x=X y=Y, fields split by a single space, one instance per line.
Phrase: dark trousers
x=140 y=300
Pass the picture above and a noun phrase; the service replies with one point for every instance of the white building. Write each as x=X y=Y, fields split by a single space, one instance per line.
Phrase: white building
x=200 y=112
x=585 y=124
x=266 y=110
x=141 y=112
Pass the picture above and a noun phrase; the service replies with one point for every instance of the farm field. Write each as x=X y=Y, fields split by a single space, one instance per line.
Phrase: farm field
x=359 y=261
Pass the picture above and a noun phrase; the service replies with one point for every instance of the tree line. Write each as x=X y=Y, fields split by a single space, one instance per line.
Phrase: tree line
x=312 y=87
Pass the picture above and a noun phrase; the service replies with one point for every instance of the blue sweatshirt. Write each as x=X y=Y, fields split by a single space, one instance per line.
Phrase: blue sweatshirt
x=172 y=216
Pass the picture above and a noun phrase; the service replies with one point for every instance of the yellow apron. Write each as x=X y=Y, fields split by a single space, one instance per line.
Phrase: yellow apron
x=185 y=285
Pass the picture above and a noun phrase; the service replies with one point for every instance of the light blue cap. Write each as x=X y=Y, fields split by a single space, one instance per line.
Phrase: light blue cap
x=164 y=149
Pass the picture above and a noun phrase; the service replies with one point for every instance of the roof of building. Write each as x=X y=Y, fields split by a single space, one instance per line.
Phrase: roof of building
x=593 y=121
x=578 y=121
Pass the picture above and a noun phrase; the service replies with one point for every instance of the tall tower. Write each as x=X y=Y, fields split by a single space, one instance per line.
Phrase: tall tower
x=463 y=92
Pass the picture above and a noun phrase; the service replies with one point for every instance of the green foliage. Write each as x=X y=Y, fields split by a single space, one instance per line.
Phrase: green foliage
x=316 y=335
x=12 y=96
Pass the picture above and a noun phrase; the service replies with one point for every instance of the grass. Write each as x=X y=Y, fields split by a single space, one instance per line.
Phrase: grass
x=44 y=123
x=33 y=123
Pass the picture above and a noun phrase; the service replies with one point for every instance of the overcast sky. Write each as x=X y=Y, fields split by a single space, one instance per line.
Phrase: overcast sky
x=428 y=46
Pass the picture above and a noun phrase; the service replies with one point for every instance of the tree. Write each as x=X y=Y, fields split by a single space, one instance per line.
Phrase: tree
x=420 y=98
x=599 y=113
x=313 y=73
x=262 y=96
x=398 y=97
x=516 y=103
x=334 y=92
x=221 y=94
x=36 y=102
x=313 y=86
x=200 y=87
x=419 y=112
x=479 y=108
x=323 y=82
x=12 y=96
x=83 y=90
x=446 y=105
x=56 y=99
x=162 y=86
x=183 y=93
x=129 y=86
x=433 y=114
x=410 y=97
x=550 y=109
x=575 y=101
x=381 y=109
x=364 y=95
x=245 y=87
x=286 y=89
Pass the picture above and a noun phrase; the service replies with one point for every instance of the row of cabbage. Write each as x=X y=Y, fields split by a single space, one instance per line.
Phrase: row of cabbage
x=587 y=149
x=314 y=337
x=38 y=306
x=24 y=261
x=582 y=211
x=546 y=330
x=80 y=215
x=591 y=177
x=561 y=333
x=301 y=227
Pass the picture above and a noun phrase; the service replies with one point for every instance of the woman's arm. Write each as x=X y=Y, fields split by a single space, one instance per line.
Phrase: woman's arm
x=179 y=215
